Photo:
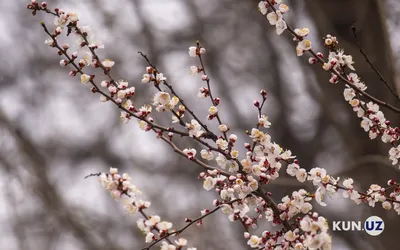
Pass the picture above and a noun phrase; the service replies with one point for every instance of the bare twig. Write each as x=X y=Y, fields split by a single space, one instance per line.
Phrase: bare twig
x=91 y=175
x=353 y=28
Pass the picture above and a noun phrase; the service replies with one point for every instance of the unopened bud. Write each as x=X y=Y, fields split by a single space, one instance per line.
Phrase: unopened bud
x=204 y=78
x=312 y=60
x=256 y=103
x=263 y=93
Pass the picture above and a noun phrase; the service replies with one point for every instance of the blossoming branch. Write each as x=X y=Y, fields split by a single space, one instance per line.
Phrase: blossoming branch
x=338 y=63
x=241 y=183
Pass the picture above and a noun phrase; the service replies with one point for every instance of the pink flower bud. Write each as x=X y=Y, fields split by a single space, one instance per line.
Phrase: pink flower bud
x=72 y=73
x=105 y=84
x=63 y=63
x=334 y=79
x=58 y=30
x=149 y=70
x=204 y=77
x=312 y=60
x=233 y=138
x=263 y=93
x=216 y=202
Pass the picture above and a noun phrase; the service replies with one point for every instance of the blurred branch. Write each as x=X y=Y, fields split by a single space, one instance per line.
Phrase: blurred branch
x=45 y=190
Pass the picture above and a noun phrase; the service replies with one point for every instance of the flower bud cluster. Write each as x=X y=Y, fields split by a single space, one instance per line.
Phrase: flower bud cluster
x=120 y=185
x=297 y=203
x=311 y=232
x=337 y=60
x=153 y=227
x=315 y=230
x=328 y=185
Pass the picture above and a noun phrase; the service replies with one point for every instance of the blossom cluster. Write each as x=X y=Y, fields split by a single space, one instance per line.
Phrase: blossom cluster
x=120 y=185
x=311 y=234
x=297 y=203
x=276 y=17
x=153 y=228
x=373 y=119
x=315 y=230
x=328 y=185
x=262 y=165
x=238 y=186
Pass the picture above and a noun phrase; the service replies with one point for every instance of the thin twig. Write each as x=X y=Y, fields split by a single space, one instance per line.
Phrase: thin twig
x=91 y=175
x=200 y=163
x=209 y=88
x=353 y=28
x=208 y=132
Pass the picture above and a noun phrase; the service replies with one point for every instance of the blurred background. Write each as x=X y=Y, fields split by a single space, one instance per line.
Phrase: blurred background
x=54 y=131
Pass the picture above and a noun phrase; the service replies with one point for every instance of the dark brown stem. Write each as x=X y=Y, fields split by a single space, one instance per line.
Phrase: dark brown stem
x=261 y=193
x=353 y=28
